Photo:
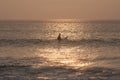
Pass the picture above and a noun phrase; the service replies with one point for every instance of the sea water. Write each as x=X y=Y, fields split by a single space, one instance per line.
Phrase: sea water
x=30 y=50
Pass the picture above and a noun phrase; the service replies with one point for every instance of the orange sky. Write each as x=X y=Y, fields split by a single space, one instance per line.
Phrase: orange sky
x=59 y=9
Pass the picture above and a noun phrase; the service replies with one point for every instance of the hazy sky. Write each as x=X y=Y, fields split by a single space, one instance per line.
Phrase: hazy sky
x=59 y=9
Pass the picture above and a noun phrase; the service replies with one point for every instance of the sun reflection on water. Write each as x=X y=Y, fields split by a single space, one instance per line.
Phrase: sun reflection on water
x=68 y=57
x=65 y=54
x=74 y=31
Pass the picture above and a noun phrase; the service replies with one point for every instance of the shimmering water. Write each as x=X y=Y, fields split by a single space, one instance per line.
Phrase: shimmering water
x=30 y=51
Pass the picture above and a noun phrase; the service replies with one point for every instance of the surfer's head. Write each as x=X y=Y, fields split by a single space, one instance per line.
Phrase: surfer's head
x=60 y=34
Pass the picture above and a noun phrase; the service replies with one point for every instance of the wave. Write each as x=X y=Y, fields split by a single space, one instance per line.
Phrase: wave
x=54 y=41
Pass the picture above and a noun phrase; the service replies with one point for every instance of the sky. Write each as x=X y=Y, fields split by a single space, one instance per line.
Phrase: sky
x=59 y=9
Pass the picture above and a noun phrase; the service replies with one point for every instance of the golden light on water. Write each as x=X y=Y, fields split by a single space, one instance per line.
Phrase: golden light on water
x=42 y=77
x=62 y=57
x=67 y=29
x=62 y=54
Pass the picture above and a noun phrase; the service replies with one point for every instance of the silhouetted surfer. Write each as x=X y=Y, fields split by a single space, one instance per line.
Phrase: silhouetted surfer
x=59 y=37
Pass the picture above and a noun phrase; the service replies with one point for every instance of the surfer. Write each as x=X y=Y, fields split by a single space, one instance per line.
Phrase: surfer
x=59 y=37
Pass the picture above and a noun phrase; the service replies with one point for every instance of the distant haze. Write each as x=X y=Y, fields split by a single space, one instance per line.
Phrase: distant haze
x=59 y=9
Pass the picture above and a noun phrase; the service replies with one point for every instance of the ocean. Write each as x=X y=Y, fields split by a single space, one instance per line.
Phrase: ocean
x=30 y=50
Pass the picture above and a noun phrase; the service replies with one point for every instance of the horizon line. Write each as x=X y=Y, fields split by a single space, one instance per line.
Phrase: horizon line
x=58 y=20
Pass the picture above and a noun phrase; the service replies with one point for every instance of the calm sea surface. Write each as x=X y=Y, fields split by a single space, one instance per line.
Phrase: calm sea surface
x=30 y=51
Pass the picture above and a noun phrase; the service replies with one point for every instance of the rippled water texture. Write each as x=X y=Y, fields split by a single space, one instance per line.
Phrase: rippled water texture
x=30 y=51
